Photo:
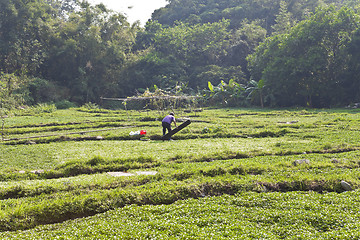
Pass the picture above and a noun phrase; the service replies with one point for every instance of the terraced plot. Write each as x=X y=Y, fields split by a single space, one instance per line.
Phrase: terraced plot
x=224 y=163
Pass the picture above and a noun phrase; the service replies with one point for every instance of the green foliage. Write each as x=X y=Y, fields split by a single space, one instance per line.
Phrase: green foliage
x=38 y=109
x=243 y=216
x=270 y=12
x=256 y=88
x=82 y=51
x=12 y=92
x=22 y=25
x=211 y=87
x=251 y=23
x=41 y=90
x=71 y=50
x=44 y=108
x=64 y=104
x=232 y=94
x=284 y=20
x=306 y=66
x=90 y=106
x=201 y=46
x=197 y=43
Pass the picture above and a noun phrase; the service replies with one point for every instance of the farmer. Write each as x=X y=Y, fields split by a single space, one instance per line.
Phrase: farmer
x=166 y=122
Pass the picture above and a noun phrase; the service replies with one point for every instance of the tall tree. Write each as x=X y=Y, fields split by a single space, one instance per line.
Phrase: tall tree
x=284 y=20
x=87 y=51
x=304 y=67
x=352 y=77
x=22 y=25
x=185 y=51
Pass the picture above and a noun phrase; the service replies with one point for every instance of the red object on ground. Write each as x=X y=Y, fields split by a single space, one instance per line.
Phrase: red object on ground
x=142 y=132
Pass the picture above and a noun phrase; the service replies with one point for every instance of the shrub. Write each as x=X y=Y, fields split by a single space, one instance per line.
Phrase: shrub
x=64 y=104
x=41 y=90
x=45 y=108
x=90 y=106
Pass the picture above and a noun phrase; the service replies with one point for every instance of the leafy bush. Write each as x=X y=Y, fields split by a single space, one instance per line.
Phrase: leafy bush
x=45 y=108
x=12 y=90
x=42 y=90
x=90 y=106
x=40 y=108
x=65 y=104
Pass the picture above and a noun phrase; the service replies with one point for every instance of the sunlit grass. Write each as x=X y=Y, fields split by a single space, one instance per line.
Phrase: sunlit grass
x=223 y=151
x=243 y=216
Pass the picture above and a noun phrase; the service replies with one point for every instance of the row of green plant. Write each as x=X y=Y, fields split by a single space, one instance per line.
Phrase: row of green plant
x=210 y=167
x=52 y=157
x=100 y=164
x=243 y=216
x=27 y=205
x=205 y=133
x=322 y=126
x=314 y=150
x=268 y=124
x=19 y=131
x=46 y=209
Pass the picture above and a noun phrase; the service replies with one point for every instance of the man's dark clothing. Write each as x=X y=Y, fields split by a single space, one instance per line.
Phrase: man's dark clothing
x=165 y=126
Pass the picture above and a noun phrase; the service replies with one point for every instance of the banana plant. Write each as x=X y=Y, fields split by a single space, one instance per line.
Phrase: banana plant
x=256 y=89
x=232 y=91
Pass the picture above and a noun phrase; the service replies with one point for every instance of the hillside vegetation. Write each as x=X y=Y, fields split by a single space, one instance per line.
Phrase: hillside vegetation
x=264 y=53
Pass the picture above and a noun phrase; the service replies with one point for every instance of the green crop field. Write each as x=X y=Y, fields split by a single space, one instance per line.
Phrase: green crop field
x=231 y=174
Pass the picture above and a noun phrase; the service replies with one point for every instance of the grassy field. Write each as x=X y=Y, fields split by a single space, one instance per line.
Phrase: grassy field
x=232 y=174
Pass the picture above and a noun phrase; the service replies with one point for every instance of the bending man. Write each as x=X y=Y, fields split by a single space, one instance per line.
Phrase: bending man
x=166 y=122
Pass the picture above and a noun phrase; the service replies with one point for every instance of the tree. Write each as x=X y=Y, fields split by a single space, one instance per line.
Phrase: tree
x=352 y=77
x=243 y=41
x=22 y=25
x=305 y=66
x=185 y=53
x=200 y=44
x=87 y=53
x=284 y=20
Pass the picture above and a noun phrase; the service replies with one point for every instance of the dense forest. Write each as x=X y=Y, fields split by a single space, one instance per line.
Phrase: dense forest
x=275 y=53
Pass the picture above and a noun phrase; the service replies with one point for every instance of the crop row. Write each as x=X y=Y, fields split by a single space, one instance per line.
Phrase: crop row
x=98 y=164
x=292 y=215
x=250 y=154
x=214 y=124
x=26 y=206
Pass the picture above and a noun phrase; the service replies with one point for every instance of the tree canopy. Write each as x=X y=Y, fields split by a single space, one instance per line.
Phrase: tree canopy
x=308 y=65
